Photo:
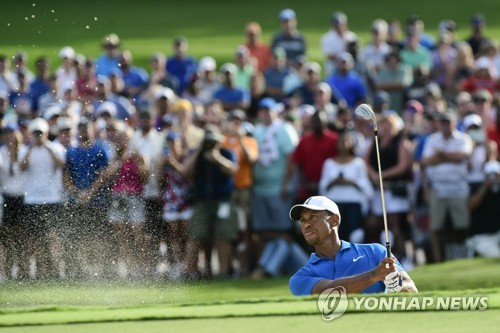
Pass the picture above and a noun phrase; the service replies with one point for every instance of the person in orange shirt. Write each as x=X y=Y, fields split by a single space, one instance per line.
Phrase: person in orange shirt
x=259 y=51
x=246 y=149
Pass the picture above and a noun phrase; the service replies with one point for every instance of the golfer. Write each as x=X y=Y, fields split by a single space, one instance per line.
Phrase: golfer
x=359 y=268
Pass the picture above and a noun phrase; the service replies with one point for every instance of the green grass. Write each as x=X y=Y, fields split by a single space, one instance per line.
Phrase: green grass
x=212 y=27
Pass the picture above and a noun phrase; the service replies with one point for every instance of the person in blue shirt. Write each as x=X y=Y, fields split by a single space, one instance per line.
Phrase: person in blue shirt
x=229 y=95
x=359 y=268
x=108 y=61
x=180 y=64
x=40 y=85
x=135 y=78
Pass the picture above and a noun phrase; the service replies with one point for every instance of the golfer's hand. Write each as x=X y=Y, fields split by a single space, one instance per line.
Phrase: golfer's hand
x=385 y=267
x=393 y=282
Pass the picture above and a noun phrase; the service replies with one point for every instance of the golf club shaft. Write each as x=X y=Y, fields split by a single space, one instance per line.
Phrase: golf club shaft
x=387 y=243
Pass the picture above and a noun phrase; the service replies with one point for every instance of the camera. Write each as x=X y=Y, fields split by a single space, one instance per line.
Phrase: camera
x=209 y=144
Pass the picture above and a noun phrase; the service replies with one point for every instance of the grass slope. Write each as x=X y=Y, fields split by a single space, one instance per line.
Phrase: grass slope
x=213 y=27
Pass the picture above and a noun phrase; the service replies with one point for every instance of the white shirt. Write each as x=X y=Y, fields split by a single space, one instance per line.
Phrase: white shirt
x=334 y=44
x=13 y=180
x=9 y=82
x=151 y=147
x=448 y=180
x=355 y=171
x=374 y=56
x=477 y=160
x=43 y=179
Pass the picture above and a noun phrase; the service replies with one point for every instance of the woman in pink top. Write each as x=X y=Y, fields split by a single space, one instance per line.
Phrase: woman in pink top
x=127 y=210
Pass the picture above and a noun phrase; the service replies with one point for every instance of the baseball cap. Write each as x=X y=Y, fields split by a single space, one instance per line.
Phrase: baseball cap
x=242 y=50
x=111 y=40
x=306 y=109
x=287 y=14
x=447 y=25
x=414 y=106
x=312 y=66
x=67 y=52
x=106 y=107
x=182 y=104
x=472 y=120
x=339 y=17
x=51 y=112
x=433 y=89
x=380 y=25
x=346 y=57
x=314 y=203
x=482 y=63
x=478 y=19
x=447 y=116
x=207 y=64
x=165 y=93
x=212 y=133
x=64 y=123
x=267 y=103
x=492 y=167
x=481 y=95
x=180 y=40
x=229 y=68
x=381 y=97
x=38 y=124
x=237 y=114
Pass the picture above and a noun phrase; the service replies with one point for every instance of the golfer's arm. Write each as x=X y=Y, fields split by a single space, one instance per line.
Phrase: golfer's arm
x=352 y=284
x=408 y=284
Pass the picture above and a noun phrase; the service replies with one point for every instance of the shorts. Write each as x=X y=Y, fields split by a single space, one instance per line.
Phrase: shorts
x=127 y=208
x=40 y=219
x=213 y=220
x=393 y=204
x=457 y=208
x=270 y=213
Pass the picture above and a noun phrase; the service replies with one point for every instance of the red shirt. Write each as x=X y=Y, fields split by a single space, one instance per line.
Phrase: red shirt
x=311 y=153
x=262 y=53
x=473 y=83
x=493 y=133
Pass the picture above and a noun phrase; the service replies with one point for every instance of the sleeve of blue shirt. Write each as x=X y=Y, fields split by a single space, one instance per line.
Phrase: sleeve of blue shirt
x=303 y=282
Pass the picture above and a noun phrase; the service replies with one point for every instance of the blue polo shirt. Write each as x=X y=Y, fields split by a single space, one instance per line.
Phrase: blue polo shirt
x=351 y=259
x=350 y=86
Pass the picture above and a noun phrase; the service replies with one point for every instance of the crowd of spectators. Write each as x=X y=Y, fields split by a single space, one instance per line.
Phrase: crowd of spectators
x=109 y=170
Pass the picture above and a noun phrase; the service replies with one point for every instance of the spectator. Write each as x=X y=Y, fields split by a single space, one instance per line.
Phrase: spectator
x=483 y=203
x=8 y=79
x=13 y=228
x=295 y=77
x=275 y=74
x=162 y=104
x=50 y=98
x=212 y=169
x=323 y=100
x=344 y=179
x=209 y=82
x=347 y=82
x=444 y=160
x=229 y=94
x=39 y=86
x=414 y=54
x=159 y=75
x=191 y=135
x=149 y=142
x=394 y=78
x=333 y=42
x=135 y=79
x=88 y=236
x=128 y=173
x=86 y=83
x=66 y=73
x=181 y=65
x=247 y=151
x=464 y=64
x=374 y=53
x=289 y=38
x=305 y=92
x=306 y=166
x=21 y=67
x=413 y=118
x=416 y=24
x=42 y=164
x=65 y=135
x=259 y=50
x=477 y=37
x=443 y=64
x=396 y=169
x=483 y=101
x=417 y=90
x=107 y=62
x=394 y=35
x=124 y=108
x=176 y=212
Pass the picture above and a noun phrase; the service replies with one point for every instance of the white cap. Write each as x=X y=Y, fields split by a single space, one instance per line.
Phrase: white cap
x=52 y=111
x=315 y=203
x=207 y=64
x=108 y=107
x=229 y=68
x=312 y=66
x=287 y=14
x=38 y=124
x=306 y=109
x=482 y=63
x=472 y=119
x=165 y=92
x=492 y=167
x=64 y=123
x=67 y=52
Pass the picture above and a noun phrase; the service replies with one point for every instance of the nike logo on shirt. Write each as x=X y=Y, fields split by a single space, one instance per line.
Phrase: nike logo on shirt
x=356 y=259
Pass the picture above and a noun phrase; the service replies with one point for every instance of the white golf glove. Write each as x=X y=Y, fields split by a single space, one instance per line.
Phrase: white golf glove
x=393 y=282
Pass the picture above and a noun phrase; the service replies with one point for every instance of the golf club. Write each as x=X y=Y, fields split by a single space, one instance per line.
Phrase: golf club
x=365 y=111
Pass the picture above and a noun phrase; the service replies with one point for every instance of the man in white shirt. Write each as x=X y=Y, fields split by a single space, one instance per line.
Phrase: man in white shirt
x=149 y=142
x=445 y=158
x=374 y=53
x=42 y=164
x=335 y=41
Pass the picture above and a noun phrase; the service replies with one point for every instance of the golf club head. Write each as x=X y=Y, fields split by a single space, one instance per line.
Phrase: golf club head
x=365 y=111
